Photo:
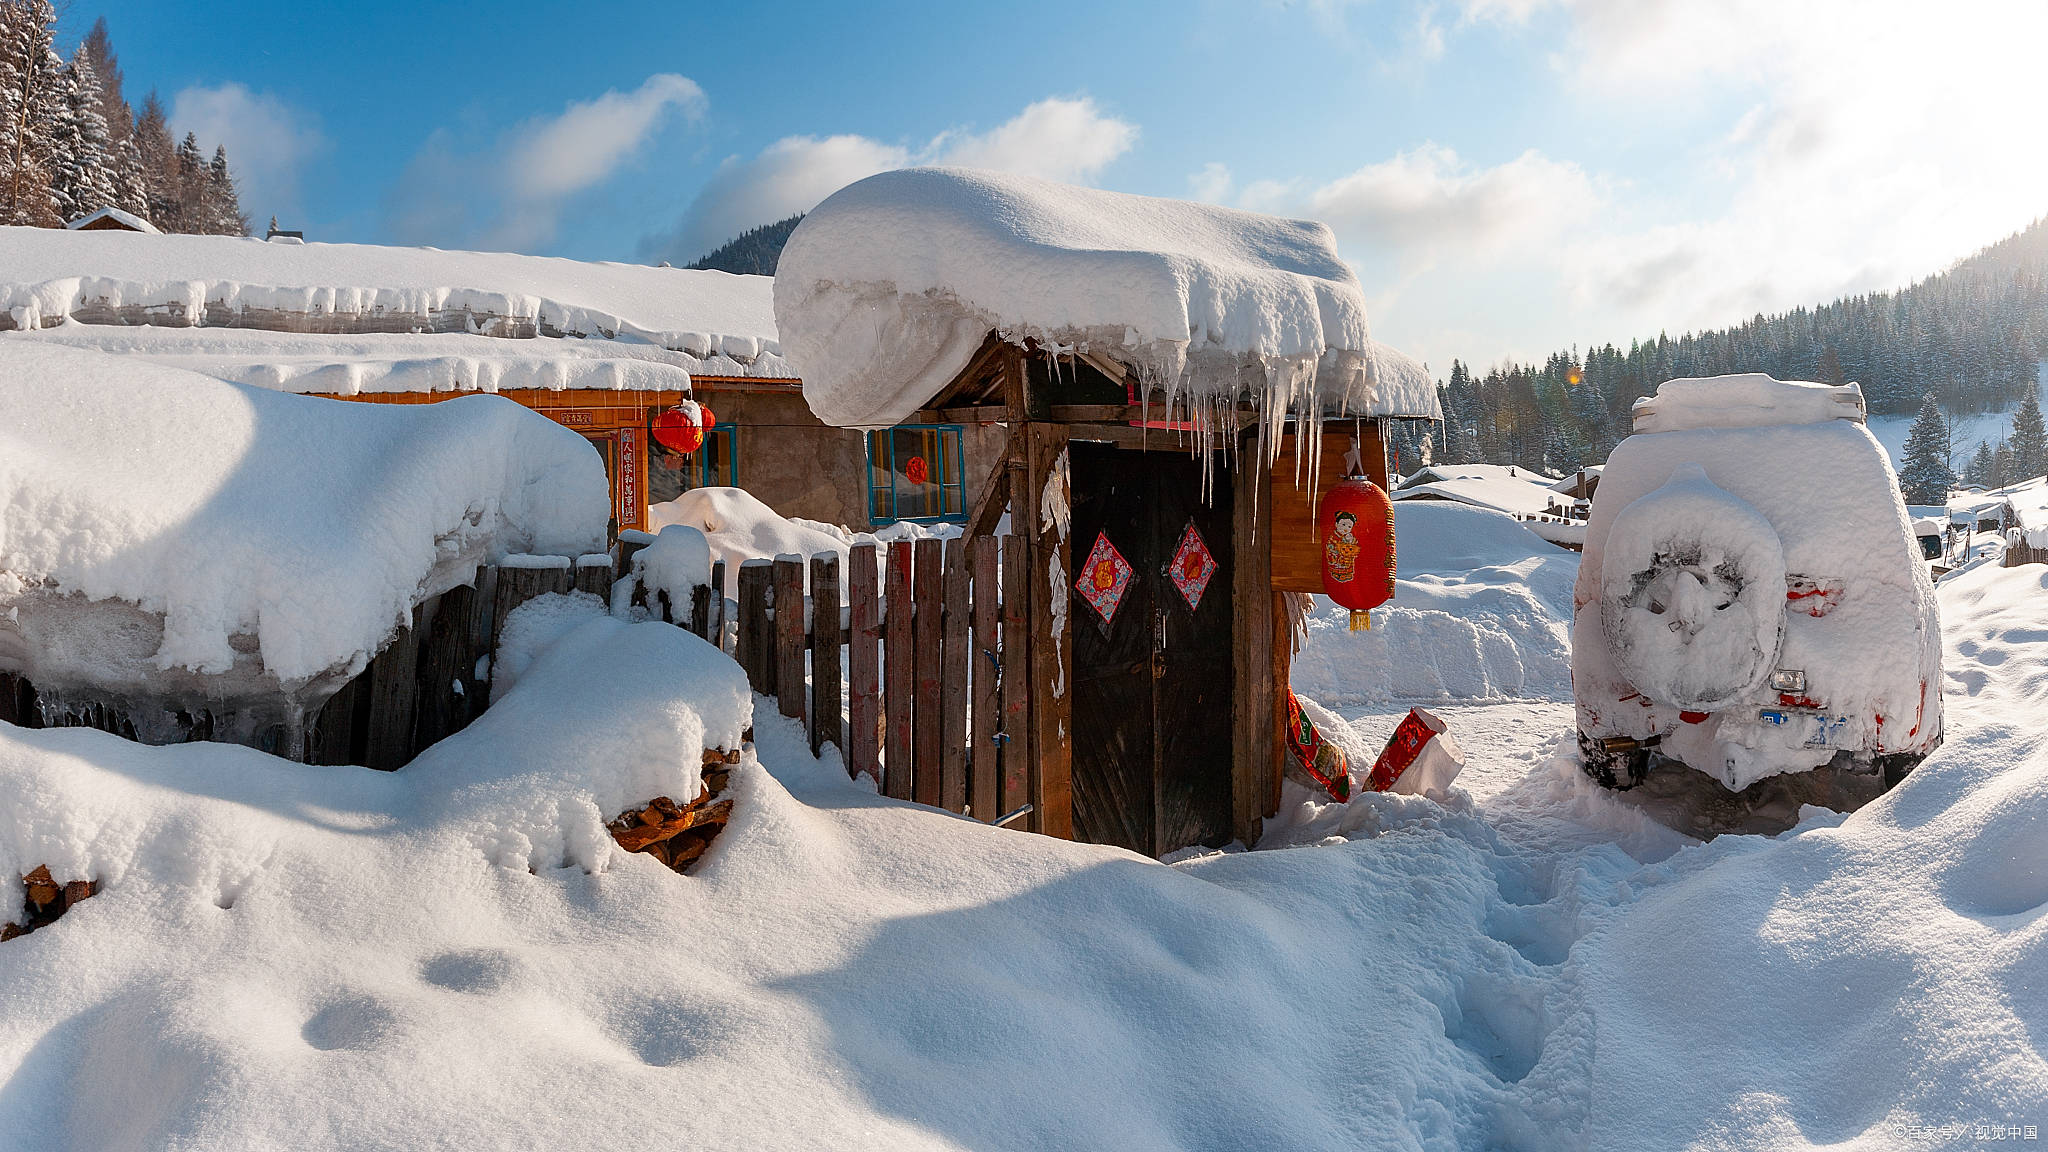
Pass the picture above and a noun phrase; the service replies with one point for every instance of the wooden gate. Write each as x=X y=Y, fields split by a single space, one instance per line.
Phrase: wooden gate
x=1152 y=682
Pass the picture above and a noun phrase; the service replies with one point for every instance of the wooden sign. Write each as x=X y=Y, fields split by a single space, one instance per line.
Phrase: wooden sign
x=1290 y=526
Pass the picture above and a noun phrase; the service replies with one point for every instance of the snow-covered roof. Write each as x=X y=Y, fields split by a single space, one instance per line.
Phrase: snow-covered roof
x=1571 y=480
x=257 y=540
x=2027 y=505
x=1744 y=400
x=128 y=220
x=887 y=289
x=1501 y=494
x=348 y=365
x=723 y=323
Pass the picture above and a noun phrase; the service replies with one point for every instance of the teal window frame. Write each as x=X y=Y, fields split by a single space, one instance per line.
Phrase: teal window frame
x=886 y=498
x=728 y=438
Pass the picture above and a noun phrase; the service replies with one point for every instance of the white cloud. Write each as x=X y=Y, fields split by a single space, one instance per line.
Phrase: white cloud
x=1424 y=204
x=268 y=142
x=513 y=195
x=1061 y=139
x=1212 y=184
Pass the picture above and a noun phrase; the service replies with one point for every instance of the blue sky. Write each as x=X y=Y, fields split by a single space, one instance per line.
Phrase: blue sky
x=1508 y=176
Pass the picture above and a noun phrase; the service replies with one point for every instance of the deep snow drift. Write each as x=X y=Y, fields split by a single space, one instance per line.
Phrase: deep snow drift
x=455 y=954
x=156 y=524
x=889 y=287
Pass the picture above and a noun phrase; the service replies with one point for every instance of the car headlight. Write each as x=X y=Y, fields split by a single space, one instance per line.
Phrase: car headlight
x=1788 y=680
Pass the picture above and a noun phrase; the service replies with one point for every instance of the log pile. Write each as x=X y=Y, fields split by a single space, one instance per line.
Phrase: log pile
x=677 y=834
x=46 y=900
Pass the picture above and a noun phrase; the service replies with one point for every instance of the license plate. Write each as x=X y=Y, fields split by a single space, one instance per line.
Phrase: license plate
x=1821 y=731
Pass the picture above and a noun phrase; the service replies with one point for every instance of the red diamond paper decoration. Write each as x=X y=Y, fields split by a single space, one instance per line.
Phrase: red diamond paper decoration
x=1105 y=577
x=1192 y=567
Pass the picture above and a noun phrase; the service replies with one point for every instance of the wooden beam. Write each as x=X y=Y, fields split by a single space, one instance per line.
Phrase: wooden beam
x=825 y=642
x=1052 y=640
x=898 y=673
x=953 y=681
x=863 y=664
x=963 y=414
x=995 y=495
x=788 y=577
x=1252 y=689
x=928 y=641
x=1014 y=784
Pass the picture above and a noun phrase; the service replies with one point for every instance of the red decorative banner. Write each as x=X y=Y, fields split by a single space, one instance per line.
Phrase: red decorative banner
x=1192 y=567
x=1105 y=577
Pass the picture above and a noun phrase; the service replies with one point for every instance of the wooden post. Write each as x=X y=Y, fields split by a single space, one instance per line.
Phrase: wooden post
x=789 y=636
x=1052 y=642
x=393 y=700
x=335 y=735
x=1017 y=759
x=594 y=575
x=982 y=793
x=718 y=602
x=863 y=665
x=1253 y=736
x=753 y=646
x=517 y=585
x=927 y=637
x=825 y=640
x=477 y=686
x=898 y=670
x=953 y=683
x=446 y=654
x=700 y=611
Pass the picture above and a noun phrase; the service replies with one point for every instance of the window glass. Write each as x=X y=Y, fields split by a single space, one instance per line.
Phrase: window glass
x=915 y=473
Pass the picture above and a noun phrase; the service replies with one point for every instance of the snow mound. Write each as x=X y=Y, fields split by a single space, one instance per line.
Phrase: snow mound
x=740 y=528
x=156 y=524
x=1481 y=610
x=1744 y=400
x=47 y=275
x=889 y=287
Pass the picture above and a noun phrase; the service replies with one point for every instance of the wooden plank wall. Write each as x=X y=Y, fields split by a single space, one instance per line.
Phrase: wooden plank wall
x=1296 y=561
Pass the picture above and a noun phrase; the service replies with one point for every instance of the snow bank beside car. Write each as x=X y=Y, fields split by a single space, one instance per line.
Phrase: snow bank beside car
x=1481 y=610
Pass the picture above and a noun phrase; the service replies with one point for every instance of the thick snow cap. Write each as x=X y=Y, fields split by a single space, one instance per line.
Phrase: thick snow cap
x=1744 y=400
x=888 y=288
x=158 y=526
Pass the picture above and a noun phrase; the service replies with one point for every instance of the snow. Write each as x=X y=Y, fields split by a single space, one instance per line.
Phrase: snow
x=889 y=287
x=168 y=534
x=1744 y=400
x=350 y=365
x=677 y=563
x=1481 y=611
x=739 y=528
x=1498 y=487
x=47 y=275
x=455 y=955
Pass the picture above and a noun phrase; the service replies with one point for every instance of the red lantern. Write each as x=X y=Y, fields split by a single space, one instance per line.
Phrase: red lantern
x=683 y=427
x=1355 y=524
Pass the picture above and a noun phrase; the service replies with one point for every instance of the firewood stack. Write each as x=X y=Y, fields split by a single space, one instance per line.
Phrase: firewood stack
x=677 y=834
x=46 y=900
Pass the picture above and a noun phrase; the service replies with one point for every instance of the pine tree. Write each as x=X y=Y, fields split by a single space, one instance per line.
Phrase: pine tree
x=159 y=164
x=125 y=168
x=223 y=207
x=1829 y=370
x=2002 y=467
x=1926 y=478
x=2029 y=439
x=83 y=179
x=31 y=107
x=1979 y=471
x=188 y=181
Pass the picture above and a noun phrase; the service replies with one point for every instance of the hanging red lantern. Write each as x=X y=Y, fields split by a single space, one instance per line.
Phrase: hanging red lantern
x=683 y=427
x=1355 y=524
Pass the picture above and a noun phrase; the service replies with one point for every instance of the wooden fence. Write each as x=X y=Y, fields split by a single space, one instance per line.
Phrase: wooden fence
x=2018 y=553
x=930 y=641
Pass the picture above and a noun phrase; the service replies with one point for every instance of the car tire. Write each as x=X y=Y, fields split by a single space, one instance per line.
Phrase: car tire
x=1692 y=594
x=1895 y=767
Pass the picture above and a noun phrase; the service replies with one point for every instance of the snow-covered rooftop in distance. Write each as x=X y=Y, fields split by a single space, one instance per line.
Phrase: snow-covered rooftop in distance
x=125 y=219
x=48 y=275
x=1500 y=487
x=1744 y=400
x=888 y=288
x=348 y=365
x=162 y=532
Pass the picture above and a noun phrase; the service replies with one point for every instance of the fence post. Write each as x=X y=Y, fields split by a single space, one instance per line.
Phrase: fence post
x=789 y=636
x=927 y=630
x=897 y=669
x=953 y=683
x=394 y=699
x=1016 y=654
x=717 y=636
x=753 y=646
x=863 y=664
x=825 y=640
x=983 y=675
x=594 y=575
x=700 y=611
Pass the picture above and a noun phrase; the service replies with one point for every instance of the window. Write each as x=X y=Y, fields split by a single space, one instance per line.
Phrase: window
x=716 y=464
x=915 y=473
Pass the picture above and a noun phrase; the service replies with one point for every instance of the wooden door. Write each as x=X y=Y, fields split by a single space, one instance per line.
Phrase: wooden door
x=1152 y=686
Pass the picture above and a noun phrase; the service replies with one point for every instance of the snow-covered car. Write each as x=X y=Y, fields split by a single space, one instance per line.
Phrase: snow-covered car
x=1752 y=599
